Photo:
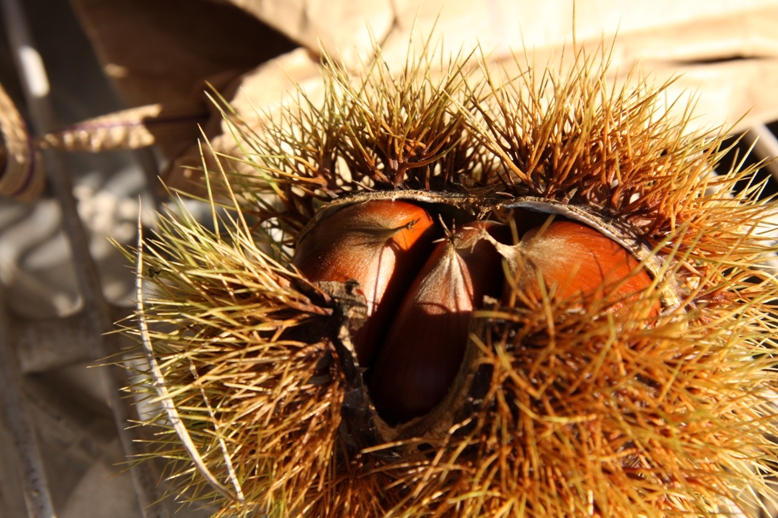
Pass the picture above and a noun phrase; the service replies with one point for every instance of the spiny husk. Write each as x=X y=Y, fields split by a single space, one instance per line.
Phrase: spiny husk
x=381 y=131
x=244 y=393
x=572 y=411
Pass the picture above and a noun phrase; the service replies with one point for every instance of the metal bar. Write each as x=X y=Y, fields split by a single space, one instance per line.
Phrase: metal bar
x=53 y=343
x=46 y=344
x=36 y=490
x=85 y=435
x=36 y=89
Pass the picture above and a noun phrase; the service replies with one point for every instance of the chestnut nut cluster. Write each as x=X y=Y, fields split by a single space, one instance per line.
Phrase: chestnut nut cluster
x=424 y=268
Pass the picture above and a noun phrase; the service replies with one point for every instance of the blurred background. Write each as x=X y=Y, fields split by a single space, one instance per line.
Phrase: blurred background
x=103 y=97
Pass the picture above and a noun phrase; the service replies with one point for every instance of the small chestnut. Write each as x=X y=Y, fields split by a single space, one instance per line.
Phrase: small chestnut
x=426 y=343
x=381 y=244
x=575 y=262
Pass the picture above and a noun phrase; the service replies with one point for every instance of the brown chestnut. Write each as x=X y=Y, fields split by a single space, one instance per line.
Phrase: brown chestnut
x=381 y=244
x=426 y=343
x=575 y=262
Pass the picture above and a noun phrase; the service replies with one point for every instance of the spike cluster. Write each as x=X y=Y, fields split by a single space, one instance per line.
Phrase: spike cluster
x=621 y=363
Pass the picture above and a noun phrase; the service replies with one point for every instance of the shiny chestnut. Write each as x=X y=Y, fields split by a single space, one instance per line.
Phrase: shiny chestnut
x=573 y=262
x=381 y=244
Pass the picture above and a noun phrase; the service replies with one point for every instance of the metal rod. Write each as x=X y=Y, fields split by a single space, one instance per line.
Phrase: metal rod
x=53 y=343
x=36 y=490
x=46 y=344
x=85 y=436
x=36 y=88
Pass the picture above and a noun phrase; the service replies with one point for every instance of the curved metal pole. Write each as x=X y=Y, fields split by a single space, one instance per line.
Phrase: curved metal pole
x=36 y=490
